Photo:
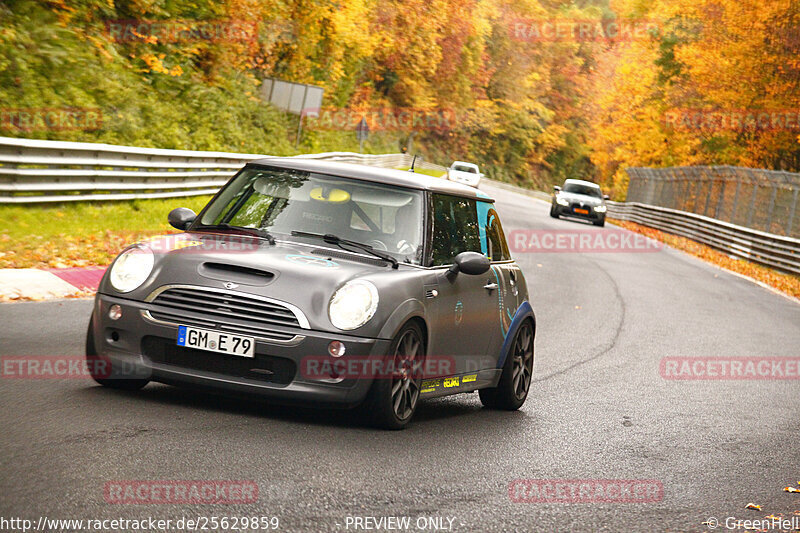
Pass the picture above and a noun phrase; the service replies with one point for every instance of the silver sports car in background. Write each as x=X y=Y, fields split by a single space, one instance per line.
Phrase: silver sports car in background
x=580 y=199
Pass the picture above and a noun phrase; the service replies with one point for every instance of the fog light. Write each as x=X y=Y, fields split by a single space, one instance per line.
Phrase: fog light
x=336 y=349
x=115 y=312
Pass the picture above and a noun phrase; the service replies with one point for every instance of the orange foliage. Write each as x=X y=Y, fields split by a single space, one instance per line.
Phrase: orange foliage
x=727 y=56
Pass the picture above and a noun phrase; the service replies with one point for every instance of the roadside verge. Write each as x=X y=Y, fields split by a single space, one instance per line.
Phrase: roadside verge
x=33 y=284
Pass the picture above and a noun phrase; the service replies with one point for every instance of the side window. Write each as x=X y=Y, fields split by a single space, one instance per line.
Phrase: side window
x=493 y=240
x=498 y=247
x=455 y=228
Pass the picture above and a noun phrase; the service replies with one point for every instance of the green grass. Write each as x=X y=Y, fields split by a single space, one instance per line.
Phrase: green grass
x=81 y=233
x=87 y=233
x=83 y=218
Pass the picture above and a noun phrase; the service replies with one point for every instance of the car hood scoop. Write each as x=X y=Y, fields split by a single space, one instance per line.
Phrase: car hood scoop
x=287 y=272
x=235 y=273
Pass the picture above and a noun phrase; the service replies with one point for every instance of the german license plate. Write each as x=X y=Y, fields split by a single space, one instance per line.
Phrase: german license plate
x=581 y=211
x=216 y=341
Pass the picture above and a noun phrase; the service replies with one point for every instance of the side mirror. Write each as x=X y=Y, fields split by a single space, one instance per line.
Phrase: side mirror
x=181 y=217
x=557 y=188
x=471 y=263
x=606 y=197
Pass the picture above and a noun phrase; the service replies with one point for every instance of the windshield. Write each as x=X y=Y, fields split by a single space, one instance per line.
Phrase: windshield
x=465 y=168
x=280 y=201
x=576 y=188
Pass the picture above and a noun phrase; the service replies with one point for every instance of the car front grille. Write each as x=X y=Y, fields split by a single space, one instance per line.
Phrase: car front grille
x=225 y=310
x=278 y=370
x=184 y=320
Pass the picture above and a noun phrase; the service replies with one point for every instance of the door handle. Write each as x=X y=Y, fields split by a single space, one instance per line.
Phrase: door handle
x=490 y=286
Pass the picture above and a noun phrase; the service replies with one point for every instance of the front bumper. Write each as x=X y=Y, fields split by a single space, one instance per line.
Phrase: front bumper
x=146 y=348
x=569 y=211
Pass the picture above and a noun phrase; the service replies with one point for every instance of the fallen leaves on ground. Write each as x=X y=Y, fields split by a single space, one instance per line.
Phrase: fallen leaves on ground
x=786 y=283
x=65 y=251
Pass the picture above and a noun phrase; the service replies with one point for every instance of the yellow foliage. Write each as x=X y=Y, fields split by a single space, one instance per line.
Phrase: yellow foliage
x=726 y=56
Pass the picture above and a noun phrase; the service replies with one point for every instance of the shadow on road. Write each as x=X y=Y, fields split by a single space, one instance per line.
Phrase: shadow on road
x=453 y=411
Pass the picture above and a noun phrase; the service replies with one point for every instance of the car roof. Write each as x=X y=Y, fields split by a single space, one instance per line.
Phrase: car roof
x=464 y=163
x=581 y=182
x=389 y=176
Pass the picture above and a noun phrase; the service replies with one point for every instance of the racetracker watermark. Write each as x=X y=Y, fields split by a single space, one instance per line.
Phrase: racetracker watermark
x=70 y=367
x=581 y=241
x=181 y=30
x=737 y=120
x=145 y=523
x=364 y=367
x=383 y=119
x=582 y=30
x=203 y=244
x=730 y=368
x=29 y=119
x=54 y=367
x=138 y=492
x=585 y=491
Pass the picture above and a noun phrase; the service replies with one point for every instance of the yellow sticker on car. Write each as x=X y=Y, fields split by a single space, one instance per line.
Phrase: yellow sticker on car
x=430 y=385
x=451 y=382
x=336 y=196
x=469 y=378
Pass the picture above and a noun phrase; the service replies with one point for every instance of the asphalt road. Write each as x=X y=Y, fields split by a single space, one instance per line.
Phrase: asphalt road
x=598 y=409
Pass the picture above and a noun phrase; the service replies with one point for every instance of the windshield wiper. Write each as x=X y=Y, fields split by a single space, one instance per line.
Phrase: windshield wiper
x=341 y=243
x=255 y=232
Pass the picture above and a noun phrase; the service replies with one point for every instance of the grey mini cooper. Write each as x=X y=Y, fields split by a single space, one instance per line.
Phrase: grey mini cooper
x=323 y=283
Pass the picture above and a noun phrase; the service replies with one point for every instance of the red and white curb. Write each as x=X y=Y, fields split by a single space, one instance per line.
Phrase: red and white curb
x=44 y=284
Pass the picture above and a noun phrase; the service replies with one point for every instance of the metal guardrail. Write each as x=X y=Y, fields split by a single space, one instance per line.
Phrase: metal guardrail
x=34 y=171
x=760 y=199
x=775 y=251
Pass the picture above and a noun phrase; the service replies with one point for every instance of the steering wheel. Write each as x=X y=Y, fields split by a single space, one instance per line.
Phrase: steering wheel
x=406 y=248
x=378 y=245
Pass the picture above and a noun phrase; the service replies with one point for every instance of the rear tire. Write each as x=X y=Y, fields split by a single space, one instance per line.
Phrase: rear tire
x=515 y=381
x=392 y=400
x=93 y=362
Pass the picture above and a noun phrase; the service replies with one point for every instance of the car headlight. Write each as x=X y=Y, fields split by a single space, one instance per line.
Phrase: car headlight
x=131 y=269
x=353 y=304
x=600 y=208
x=561 y=201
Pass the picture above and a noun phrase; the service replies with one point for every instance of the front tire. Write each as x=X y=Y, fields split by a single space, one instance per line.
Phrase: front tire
x=515 y=381
x=392 y=400
x=95 y=363
x=553 y=211
x=601 y=223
